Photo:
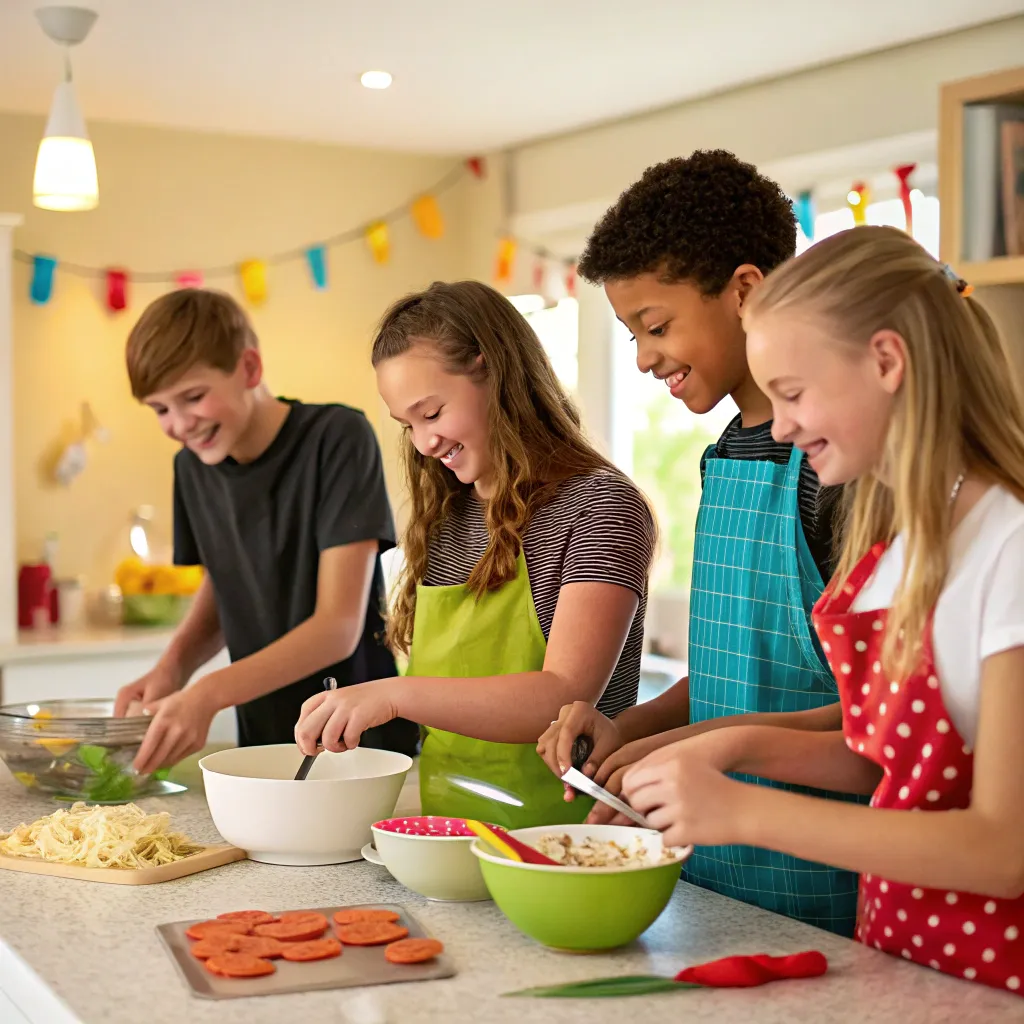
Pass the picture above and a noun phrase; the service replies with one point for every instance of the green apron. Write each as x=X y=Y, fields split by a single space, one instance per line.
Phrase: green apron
x=752 y=649
x=455 y=635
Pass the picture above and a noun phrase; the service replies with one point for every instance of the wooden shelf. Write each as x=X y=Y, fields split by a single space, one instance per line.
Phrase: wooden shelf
x=1000 y=87
x=1004 y=270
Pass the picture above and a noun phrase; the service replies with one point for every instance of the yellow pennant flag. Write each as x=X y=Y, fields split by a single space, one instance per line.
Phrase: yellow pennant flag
x=377 y=240
x=427 y=215
x=254 y=280
x=857 y=199
x=506 y=261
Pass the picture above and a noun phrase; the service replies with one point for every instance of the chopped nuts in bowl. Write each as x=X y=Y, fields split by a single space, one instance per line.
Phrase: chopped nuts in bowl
x=638 y=851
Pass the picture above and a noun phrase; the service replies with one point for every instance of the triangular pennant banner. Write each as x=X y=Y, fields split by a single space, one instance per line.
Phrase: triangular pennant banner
x=506 y=261
x=189 y=279
x=254 y=280
x=427 y=215
x=377 y=240
x=117 y=290
x=316 y=257
x=42 y=279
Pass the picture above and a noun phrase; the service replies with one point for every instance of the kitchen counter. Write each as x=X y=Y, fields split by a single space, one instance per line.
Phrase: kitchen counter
x=84 y=953
x=86 y=642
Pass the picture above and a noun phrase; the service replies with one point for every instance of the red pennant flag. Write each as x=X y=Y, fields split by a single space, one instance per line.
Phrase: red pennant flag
x=189 y=279
x=477 y=166
x=538 y=275
x=903 y=172
x=117 y=290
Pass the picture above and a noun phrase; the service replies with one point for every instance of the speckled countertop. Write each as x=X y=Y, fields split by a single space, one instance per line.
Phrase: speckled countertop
x=75 y=951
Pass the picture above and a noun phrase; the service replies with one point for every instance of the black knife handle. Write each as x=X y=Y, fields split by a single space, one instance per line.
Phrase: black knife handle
x=582 y=748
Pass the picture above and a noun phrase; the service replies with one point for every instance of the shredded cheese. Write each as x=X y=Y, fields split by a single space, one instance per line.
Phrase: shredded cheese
x=100 y=837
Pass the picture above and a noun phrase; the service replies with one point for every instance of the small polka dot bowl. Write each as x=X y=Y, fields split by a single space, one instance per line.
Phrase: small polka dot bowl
x=429 y=855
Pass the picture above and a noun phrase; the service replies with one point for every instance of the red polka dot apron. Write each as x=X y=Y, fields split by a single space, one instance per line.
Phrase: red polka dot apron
x=904 y=728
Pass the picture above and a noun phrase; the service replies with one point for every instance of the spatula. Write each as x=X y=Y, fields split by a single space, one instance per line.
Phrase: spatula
x=330 y=683
x=509 y=846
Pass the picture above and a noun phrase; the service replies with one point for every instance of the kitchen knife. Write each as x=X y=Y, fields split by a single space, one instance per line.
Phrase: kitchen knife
x=578 y=780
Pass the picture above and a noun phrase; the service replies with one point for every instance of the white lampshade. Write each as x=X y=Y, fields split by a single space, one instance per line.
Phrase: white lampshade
x=65 y=177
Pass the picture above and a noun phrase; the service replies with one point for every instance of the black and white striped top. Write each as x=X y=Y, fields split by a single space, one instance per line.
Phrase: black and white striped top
x=597 y=529
x=818 y=505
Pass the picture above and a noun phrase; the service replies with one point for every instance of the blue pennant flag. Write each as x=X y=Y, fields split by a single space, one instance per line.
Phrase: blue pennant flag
x=42 y=279
x=317 y=257
x=803 y=207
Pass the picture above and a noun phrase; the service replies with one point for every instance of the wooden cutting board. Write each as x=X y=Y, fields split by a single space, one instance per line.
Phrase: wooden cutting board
x=210 y=857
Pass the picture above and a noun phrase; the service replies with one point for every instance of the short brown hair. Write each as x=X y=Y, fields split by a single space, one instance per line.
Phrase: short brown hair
x=183 y=329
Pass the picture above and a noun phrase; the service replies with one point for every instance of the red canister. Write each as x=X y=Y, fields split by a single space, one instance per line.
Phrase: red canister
x=35 y=596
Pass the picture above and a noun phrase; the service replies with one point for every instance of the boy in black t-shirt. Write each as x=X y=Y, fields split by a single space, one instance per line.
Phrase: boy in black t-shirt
x=284 y=505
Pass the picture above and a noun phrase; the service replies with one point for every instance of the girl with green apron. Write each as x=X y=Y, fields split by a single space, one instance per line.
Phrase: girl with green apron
x=526 y=559
x=752 y=649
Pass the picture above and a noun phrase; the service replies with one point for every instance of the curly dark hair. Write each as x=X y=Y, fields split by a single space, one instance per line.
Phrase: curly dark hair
x=694 y=218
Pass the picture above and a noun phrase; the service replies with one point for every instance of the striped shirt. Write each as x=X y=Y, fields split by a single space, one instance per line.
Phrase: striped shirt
x=597 y=529
x=818 y=505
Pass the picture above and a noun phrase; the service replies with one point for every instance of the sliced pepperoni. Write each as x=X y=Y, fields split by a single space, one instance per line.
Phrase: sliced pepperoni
x=413 y=951
x=212 y=945
x=318 y=949
x=203 y=929
x=370 y=933
x=259 y=945
x=294 y=929
x=239 y=965
x=252 y=917
x=355 y=915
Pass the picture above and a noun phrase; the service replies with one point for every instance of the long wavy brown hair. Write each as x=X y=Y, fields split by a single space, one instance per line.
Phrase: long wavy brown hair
x=959 y=409
x=535 y=436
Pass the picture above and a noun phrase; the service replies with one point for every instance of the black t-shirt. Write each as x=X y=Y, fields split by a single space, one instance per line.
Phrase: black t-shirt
x=818 y=505
x=259 y=528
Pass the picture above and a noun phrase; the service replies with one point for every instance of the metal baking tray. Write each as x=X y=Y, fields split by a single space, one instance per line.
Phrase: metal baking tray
x=357 y=965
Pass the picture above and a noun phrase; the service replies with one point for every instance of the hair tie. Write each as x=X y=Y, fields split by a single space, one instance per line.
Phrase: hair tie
x=963 y=288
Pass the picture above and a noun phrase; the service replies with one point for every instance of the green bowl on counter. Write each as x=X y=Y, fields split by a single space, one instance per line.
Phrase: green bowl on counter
x=153 y=609
x=580 y=909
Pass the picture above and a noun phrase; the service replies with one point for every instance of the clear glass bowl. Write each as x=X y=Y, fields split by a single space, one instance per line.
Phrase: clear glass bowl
x=74 y=749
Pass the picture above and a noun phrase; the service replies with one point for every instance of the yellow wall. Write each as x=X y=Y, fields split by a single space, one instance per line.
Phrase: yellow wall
x=171 y=200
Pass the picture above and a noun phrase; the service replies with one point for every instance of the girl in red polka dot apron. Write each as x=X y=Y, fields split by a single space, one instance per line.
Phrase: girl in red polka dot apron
x=905 y=729
x=885 y=375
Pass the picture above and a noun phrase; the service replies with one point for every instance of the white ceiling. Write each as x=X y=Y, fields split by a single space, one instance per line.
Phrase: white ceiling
x=470 y=75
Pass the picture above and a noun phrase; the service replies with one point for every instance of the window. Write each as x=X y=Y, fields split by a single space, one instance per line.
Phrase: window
x=558 y=330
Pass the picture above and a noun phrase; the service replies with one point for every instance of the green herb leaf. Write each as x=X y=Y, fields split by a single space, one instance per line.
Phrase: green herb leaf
x=599 y=988
x=93 y=757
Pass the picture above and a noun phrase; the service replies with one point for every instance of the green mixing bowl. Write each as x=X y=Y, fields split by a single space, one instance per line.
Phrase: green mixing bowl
x=581 y=909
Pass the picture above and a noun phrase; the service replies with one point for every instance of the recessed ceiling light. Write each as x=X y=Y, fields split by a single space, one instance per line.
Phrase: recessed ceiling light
x=375 y=79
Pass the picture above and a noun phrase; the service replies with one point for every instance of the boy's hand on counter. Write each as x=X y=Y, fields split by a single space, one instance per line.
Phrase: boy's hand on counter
x=683 y=791
x=180 y=726
x=155 y=685
x=578 y=719
x=337 y=718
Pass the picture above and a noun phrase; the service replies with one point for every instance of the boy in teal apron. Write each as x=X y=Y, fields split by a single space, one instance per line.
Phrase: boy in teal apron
x=527 y=555
x=678 y=255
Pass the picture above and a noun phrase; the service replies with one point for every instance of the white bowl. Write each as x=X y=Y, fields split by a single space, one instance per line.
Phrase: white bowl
x=419 y=853
x=258 y=806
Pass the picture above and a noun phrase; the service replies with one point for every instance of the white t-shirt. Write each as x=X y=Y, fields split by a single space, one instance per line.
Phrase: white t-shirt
x=980 y=611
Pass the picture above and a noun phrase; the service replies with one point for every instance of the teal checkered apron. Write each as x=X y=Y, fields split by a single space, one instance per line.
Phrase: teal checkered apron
x=752 y=649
